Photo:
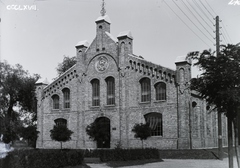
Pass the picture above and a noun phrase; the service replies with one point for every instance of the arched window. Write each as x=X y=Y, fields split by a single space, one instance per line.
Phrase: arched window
x=60 y=121
x=110 y=90
x=55 y=100
x=95 y=92
x=66 y=98
x=181 y=75
x=160 y=90
x=155 y=123
x=145 y=90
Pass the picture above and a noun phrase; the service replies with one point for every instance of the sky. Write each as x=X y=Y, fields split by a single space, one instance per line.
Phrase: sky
x=38 y=33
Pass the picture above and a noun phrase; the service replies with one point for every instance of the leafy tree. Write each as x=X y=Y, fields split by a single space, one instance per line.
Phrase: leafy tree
x=7 y=136
x=67 y=63
x=11 y=131
x=98 y=131
x=30 y=133
x=142 y=131
x=61 y=133
x=219 y=84
x=16 y=90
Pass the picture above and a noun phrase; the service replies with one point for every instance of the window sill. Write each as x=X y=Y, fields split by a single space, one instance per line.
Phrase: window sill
x=95 y=107
x=60 y=110
x=148 y=102
x=156 y=136
x=66 y=110
x=110 y=105
x=159 y=101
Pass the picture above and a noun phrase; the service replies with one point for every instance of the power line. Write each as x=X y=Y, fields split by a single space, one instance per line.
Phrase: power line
x=2 y=2
x=206 y=9
x=186 y=24
x=224 y=38
x=193 y=22
x=211 y=8
x=199 y=15
x=222 y=34
x=226 y=32
x=203 y=11
x=197 y=19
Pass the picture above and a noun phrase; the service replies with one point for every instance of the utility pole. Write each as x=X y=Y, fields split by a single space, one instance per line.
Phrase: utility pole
x=220 y=150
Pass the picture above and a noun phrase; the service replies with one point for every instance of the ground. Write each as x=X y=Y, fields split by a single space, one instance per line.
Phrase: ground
x=173 y=163
x=167 y=163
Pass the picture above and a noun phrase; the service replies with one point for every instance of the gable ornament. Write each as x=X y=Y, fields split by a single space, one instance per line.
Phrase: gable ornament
x=101 y=64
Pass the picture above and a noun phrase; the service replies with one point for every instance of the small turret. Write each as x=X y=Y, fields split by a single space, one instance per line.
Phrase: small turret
x=103 y=24
x=39 y=86
x=126 y=38
x=81 y=47
x=183 y=67
x=183 y=74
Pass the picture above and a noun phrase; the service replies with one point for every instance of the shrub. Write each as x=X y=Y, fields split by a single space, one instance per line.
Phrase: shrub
x=187 y=154
x=43 y=158
x=61 y=133
x=118 y=145
x=99 y=131
x=7 y=137
x=30 y=133
x=130 y=154
x=91 y=153
x=142 y=131
x=119 y=154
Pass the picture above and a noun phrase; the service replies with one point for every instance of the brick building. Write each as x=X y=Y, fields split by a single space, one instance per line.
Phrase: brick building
x=111 y=84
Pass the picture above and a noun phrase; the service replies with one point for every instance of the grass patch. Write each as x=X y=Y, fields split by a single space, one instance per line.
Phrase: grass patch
x=106 y=155
x=211 y=153
x=225 y=152
x=39 y=158
x=131 y=162
x=187 y=154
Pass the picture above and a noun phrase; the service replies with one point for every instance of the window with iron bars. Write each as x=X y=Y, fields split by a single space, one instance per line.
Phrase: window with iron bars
x=160 y=90
x=110 y=91
x=60 y=121
x=95 y=92
x=154 y=120
x=66 y=98
x=145 y=90
x=55 y=100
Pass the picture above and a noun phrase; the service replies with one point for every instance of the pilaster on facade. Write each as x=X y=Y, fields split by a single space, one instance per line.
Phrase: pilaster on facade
x=40 y=98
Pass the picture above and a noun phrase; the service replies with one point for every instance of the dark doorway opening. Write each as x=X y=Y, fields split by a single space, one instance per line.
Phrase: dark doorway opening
x=104 y=132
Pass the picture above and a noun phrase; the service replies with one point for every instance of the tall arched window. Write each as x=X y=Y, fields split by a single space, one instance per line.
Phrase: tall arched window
x=145 y=90
x=110 y=91
x=155 y=123
x=95 y=92
x=55 y=100
x=160 y=90
x=181 y=75
x=66 y=98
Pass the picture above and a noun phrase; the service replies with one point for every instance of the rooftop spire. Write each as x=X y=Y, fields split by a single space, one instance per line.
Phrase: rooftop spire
x=103 y=10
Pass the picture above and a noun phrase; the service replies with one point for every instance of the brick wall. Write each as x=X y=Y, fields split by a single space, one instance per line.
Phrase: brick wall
x=180 y=120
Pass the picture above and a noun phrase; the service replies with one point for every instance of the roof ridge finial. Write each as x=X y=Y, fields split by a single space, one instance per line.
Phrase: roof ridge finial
x=103 y=10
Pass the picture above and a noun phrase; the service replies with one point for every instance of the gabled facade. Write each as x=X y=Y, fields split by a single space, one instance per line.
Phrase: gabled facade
x=111 y=84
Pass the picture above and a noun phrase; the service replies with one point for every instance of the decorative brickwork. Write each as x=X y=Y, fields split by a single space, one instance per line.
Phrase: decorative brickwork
x=184 y=124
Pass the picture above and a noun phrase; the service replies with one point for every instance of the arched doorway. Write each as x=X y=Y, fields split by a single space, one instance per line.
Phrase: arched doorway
x=104 y=139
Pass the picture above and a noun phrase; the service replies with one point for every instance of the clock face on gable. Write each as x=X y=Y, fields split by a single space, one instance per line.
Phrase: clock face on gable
x=101 y=64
